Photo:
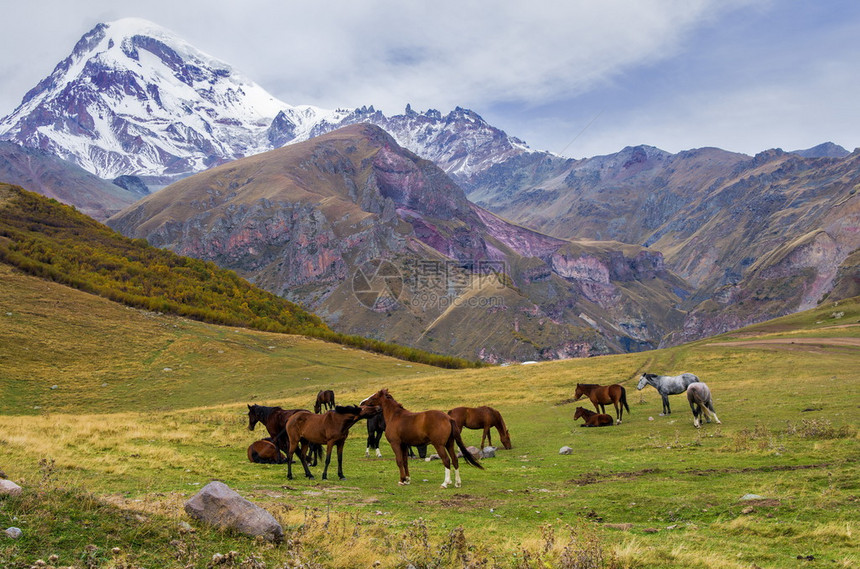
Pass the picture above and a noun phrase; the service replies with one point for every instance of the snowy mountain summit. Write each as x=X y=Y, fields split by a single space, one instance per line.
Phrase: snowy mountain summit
x=133 y=98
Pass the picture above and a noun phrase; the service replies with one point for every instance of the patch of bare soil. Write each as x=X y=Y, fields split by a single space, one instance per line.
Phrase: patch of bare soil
x=591 y=478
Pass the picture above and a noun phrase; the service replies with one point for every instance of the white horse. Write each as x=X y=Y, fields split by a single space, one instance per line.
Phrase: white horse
x=699 y=397
x=667 y=385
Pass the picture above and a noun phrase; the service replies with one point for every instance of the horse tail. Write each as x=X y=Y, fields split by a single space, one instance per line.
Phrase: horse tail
x=467 y=456
x=624 y=398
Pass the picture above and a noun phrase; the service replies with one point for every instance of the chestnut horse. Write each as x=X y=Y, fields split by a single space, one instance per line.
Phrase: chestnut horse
x=264 y=451
x=404 y=429
x=482 y=418
x=325 y=400
x=600 y=395
x=330 y=428
x=592 y=419
x=375 y=429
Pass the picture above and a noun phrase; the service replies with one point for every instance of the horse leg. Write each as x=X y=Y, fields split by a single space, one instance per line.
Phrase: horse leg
x=340 y=461
x=442 y=451
x=399 y=458
x=452 y=451
x=327 y=459
x=619 y=412
x=404 y=453
x=666 y=409
x=290 y=454
x=303 y=451
x=487 y=436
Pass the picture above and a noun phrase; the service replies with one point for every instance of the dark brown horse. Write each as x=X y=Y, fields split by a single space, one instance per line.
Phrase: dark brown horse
x=600 y=395
x=404 y=428
x=264 y=451
x=330 y=428
x=275 y=420
x=325 y=400
x=482 y=418
x=592 y=419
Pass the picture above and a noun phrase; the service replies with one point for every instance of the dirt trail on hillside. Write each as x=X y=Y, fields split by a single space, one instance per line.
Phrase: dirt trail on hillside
x=794 y=343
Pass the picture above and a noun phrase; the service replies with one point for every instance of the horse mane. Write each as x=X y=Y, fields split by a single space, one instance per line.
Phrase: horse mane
x=498 y=417
x=265 y=412
x=588 y=385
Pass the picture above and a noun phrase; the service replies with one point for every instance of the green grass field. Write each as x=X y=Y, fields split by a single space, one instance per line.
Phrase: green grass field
x=110 y=418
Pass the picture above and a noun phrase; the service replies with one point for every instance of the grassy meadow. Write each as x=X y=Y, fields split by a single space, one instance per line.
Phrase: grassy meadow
x=112 y=417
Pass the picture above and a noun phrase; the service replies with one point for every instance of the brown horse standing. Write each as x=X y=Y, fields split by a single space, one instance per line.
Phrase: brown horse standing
x=325 y=400
x=264 y=451
x=330 y=428
x=404 y=429
x=482 y=418
x=592 y=419
x=600 y=395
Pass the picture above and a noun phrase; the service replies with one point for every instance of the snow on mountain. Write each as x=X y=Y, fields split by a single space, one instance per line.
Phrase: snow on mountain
x=135 y=99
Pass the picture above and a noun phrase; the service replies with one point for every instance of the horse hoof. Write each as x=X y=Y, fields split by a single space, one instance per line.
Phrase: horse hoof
x=342 y=477
x=403 y=483
x=444 y=486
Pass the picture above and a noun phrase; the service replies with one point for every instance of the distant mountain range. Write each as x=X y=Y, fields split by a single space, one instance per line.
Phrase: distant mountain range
x=667 y=247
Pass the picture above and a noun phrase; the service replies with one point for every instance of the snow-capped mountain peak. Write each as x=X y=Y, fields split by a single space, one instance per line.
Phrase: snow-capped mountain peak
x=134 y=98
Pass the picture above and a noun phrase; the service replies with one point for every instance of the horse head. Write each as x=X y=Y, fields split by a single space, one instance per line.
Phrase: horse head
x=375 y=400
x=579 y=392
x=580 y=412
x=252 y=417
x=644 y=380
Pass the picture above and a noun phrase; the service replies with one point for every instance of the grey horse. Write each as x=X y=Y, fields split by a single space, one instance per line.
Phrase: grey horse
x=667 y=385
x=699 y=397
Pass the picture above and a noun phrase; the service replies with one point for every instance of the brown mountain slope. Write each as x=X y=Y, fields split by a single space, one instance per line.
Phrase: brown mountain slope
x=53 y=177
x=757 y=237
x=381 y=243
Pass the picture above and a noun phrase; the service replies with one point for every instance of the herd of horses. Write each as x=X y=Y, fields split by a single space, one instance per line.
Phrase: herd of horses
x=299 y=432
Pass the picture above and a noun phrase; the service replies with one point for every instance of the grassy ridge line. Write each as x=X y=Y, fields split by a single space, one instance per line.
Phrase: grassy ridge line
x=50 y=240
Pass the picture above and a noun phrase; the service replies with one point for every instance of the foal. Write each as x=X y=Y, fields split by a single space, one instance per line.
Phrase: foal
x=592 y=419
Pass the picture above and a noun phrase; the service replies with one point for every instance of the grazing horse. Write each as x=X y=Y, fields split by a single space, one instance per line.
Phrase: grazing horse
x=375 y=429
x=264 y=451
x=699 y=397
x=667 y=385
x=325 y=400
x=592 y=419
x=600 y=395
x=482 y=418
x=330 y=428
x=404 y=428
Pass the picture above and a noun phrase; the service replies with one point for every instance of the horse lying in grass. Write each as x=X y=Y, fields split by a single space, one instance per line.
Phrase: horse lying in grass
x=404 y=428
x=601 y=395
x=592 y=419
x=667 y=385
x=264 y=451
x=699 y=397
x=482 y=418
x=330 y=428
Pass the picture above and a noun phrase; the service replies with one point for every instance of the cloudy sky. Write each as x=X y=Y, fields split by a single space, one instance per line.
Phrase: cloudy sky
x=575 y=77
